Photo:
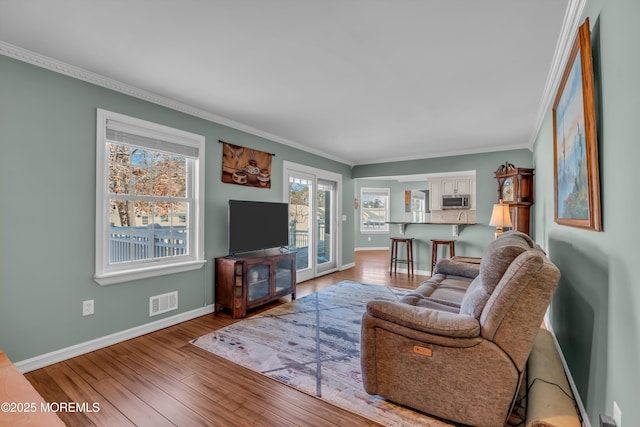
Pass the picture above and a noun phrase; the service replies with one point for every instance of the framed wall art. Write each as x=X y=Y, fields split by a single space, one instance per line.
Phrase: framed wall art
x=575 y=145
x=245 y=166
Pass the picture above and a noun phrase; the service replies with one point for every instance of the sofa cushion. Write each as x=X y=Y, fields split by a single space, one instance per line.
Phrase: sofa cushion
x=453 y=267
x=441 y=290
x=431 y=303
x=474 y=299
x=512 y=315
x=446 y=288
x=498 y=257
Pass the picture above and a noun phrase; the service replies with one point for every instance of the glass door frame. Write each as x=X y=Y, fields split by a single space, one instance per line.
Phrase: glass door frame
x=316 y=174
x=330 y=218
x=305 y=268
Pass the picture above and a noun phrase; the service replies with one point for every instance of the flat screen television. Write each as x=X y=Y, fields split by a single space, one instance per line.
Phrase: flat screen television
x=257 y=225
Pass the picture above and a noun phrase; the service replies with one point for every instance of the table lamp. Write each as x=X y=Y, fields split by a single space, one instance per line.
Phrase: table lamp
x=500 y=217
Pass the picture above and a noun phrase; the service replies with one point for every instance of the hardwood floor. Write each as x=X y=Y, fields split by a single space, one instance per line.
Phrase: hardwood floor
x=160 y=379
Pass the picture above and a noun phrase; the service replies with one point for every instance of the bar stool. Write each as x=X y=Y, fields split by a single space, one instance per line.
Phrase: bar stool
x=408 y=241
x=434 y=251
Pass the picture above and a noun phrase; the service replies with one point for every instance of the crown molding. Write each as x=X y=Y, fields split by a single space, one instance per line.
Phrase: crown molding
x=60 y=67
x=563 y=48
x=447 y=154
x=568 y=32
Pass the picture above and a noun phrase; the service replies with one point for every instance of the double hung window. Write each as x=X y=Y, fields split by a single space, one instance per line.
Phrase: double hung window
x=374 y=210
x=149 y=199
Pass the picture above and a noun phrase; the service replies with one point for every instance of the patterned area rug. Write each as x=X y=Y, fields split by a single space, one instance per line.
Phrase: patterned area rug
x=313 y=345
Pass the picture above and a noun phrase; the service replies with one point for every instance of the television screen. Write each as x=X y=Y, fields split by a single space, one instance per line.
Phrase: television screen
x=257 y=225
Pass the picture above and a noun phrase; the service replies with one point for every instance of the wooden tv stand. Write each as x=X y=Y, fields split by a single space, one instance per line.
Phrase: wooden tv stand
x=248 y=281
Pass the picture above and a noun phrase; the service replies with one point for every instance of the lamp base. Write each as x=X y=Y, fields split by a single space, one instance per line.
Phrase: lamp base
x=498 y=232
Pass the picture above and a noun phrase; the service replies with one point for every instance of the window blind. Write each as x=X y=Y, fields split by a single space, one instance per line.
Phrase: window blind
x=149 y=139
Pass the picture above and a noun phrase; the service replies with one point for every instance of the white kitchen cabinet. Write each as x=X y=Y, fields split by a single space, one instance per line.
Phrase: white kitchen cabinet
x=451 y=185
x=435 y=195
x=456 y=186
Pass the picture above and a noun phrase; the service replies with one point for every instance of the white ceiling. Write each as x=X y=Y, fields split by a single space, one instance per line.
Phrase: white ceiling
x=360 y=81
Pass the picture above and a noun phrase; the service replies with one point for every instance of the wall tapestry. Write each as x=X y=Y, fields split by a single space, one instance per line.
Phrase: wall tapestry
x=575 y=146
x=245 y=166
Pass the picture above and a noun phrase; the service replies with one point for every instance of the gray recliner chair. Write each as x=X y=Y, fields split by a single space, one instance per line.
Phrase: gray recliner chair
x=464 y=363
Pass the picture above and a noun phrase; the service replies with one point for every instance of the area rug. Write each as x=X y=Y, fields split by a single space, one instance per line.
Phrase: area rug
x=313 y=345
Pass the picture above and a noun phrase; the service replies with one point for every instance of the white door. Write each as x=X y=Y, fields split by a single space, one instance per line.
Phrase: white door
x=301 y=236
x=314 y=210
x=327 y=221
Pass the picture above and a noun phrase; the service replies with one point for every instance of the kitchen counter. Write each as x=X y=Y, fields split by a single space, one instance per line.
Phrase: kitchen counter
x=454 y=225
x=429 y=223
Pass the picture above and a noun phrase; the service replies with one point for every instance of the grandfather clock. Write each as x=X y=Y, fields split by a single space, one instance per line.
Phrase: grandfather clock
x=515 y=187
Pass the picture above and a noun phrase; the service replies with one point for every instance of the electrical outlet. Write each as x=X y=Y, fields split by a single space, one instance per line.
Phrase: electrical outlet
x=368 y=239
x=87 y=307
x=617 y=415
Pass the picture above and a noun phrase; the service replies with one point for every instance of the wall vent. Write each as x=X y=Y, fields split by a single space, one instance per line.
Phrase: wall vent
x=162 y=303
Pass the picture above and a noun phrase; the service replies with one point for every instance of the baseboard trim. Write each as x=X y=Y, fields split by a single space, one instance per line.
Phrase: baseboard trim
x=98 y=343
x=367 y=248
x=572 y=384
x=404 y=270
x=347 y=266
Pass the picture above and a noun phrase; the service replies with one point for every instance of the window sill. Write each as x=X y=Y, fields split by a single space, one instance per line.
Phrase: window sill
x=146 y=272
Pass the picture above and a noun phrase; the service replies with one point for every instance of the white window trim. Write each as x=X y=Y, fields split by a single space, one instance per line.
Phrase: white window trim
x=385 y=229
x=106 y=274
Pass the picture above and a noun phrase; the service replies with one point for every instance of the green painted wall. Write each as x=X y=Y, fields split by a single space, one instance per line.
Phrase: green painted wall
x=595 y=313
x=472 y=239
x=47 y=219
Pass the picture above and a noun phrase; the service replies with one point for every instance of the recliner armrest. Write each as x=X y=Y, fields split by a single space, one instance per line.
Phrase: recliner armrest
x=457 y=268
x=426 y=320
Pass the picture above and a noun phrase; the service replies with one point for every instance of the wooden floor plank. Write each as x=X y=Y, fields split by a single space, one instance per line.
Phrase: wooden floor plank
x=209 y=407
x=80 y=391
x=301 y=409
x=134 y=408
x=51 y=392
x=115 y=367
x=160 y=357
x=85 y=366
x=162 y=379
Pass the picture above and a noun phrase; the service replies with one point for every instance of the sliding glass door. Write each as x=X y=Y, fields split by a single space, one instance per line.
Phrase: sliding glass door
x=314 y=230
x=300 y=222
x=326 y=222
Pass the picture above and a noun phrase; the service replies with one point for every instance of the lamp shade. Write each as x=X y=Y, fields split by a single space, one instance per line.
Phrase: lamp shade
x=500 y=216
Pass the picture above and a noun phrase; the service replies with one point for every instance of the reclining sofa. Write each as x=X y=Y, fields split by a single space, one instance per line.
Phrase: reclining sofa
x=457 y=347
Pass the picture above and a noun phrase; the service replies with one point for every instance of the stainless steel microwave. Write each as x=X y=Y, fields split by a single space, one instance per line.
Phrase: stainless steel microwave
x=456 y=201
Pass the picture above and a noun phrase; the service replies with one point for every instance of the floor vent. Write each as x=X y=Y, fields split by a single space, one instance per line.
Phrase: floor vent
x=162 y=303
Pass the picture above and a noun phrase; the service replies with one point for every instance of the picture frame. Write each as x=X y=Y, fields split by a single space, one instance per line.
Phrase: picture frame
x=575 y=145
